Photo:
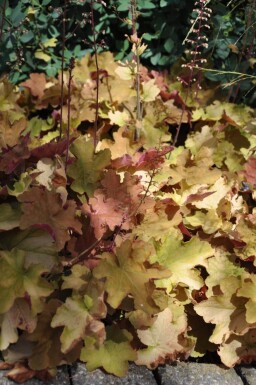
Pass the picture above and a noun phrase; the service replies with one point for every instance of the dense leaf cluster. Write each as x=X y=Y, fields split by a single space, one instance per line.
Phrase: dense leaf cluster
x=133 y=251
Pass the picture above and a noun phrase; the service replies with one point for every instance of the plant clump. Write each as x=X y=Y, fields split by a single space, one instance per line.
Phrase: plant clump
x=130 y=248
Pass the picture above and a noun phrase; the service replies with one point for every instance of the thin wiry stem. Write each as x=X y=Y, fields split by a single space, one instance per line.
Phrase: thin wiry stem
x=219 y=72
x=137 y=76
x=62 y=65
x=200 y=21
x=2 y=21
x=95 y=129
x=71 y=67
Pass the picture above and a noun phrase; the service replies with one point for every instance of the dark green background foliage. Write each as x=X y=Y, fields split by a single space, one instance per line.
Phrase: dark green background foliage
x=233 y=26
x=28 y=25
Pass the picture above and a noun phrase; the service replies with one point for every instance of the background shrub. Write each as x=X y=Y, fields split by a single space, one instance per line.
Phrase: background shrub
x=32 y=38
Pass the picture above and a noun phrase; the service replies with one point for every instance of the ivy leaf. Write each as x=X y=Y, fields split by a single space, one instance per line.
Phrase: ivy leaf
x=88 y=167
x=125 y=275
x=43 y=209
x=181 y=258
x=125 y=72
x=163 y=339
x=8 y=98
x=113 y=355
x=75 y=316
x=81 y=71
x=21 y=282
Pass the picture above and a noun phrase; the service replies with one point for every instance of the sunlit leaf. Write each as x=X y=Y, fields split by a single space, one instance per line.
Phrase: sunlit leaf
x=163 y=340
x=75 y=316
x=124 y=275
x=181 y=258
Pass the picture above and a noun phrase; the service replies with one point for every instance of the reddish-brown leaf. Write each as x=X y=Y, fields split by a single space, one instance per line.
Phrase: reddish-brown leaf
x=12 y=158
x=36 y=84
x=117 y=204
x=49 y=150
x=43 y=209
x=152 y=158
x=20 y=373
x=250 y=171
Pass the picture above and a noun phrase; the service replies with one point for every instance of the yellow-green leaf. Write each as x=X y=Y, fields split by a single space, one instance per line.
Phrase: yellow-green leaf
x=75 y=316
x=113 y=355
x=181 y=258
x=149 y=91
x=88 y=167
x=39 y=54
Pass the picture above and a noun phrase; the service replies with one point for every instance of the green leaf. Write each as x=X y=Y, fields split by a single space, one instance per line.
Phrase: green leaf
x=126 y=275
x=10 y=216
x=181 y=258
x=113 y=355
x=39 y=54
x=50 y=42
x=21 y=185
x=37 y=244
x=146 y=4
x=168 y=45
x=27 y=36
x=20 y=281
x=209 y=221
x=149 y=91
x=87 y=169
x=37 y=125
x=220 y=268
x=75 y=316
x=78 y=279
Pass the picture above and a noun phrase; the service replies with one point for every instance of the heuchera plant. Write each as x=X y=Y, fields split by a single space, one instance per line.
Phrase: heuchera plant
x=133 y=251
